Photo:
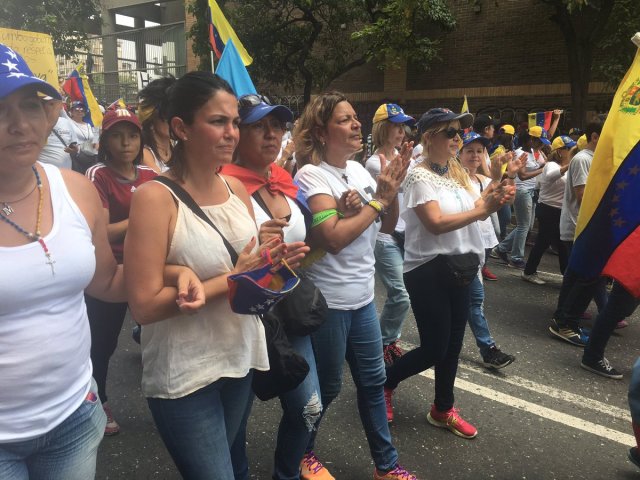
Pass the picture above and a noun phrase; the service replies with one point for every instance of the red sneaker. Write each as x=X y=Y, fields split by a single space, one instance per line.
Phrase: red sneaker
x=388 y=395
x=391 y=353
x=488 y=275
x=451 y=420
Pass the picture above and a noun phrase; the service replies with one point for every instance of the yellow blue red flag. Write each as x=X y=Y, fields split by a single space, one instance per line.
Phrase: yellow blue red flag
x=540 y=119
x=77 y=87
x=607 y=233
x=220 y=32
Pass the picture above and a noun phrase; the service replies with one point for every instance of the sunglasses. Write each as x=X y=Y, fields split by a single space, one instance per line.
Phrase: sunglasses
x=451 y=132
x=252 y=100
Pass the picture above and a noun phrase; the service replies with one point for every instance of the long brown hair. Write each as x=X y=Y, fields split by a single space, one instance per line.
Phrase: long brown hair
x=316 y=115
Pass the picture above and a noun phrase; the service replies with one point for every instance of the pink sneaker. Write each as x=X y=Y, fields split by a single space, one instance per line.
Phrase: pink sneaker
x=112 y=427
x=398 y=473
x=451 y=420
x=312 y=469
x=388 y=397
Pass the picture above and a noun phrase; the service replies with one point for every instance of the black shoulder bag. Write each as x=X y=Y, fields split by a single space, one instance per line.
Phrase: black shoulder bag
x=304 y=310
x=287 y=369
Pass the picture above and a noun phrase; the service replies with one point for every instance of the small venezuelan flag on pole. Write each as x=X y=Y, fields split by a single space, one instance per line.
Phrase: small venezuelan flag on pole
x=220 y=32
x=608 y=229
x=540 y=119
x=77 y=87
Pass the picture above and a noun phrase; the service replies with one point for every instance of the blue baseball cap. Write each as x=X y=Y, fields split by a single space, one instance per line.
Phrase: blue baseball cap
x=15 y=74
x=562 y=142
x=254 y=107
x=393 y=113
x=471 y=137
x=441 y=115
x=540 y=133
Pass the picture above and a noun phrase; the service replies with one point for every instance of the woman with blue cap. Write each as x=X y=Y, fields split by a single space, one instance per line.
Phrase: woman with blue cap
x=53 y=248
x=552 y=182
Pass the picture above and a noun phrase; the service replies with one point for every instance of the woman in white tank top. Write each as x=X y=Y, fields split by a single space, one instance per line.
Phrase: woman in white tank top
x=53 y=246
x=197 y=368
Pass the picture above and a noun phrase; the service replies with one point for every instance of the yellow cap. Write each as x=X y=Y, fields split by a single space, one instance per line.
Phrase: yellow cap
x=508 y=129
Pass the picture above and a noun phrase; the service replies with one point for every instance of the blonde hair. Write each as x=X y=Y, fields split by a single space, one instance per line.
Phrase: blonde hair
x=380 y=133
x=316 y=115
x=456 y=171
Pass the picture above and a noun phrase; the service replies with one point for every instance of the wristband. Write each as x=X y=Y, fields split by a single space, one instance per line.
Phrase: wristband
x=377 y=206
x=511 y=178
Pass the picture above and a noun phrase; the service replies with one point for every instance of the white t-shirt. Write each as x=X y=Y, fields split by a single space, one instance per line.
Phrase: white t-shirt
x=576 y=176
x=372 y=165
x=53 y=152
x=85 y=132
x=552 y=184
x=421 y=246
x=347 y=278
x=531 y=165
x=417 y=151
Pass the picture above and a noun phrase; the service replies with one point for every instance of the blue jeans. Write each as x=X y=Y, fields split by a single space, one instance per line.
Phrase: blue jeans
x=477 y=321
x=301 y=410
x=68 y=452
x=389 y=260
x=355 y=335
x=504 y=218
x=516 y=240
x=201 y=430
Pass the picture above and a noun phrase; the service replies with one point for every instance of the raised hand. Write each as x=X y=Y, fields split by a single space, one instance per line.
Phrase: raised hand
x=392 y=174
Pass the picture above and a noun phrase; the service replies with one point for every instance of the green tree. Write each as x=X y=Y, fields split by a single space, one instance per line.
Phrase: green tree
x=65 y=20
x=313 y=42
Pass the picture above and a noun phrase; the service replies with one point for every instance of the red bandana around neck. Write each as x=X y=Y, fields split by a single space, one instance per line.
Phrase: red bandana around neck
x=279 y=180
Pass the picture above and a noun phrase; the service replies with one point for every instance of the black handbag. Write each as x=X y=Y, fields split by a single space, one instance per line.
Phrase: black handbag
x=303 y=310
x=287 y=369
x=461 y=268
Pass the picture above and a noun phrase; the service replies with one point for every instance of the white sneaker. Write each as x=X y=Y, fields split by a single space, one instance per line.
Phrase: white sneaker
x=533 y=278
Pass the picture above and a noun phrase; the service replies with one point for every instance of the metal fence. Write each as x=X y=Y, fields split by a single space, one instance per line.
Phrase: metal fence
x=140 y=56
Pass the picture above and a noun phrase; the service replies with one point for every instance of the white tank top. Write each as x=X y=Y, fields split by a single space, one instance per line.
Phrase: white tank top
x=45 y=370
x=185 y=353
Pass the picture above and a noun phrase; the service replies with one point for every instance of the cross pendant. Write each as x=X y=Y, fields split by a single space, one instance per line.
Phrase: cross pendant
x=6 y=208
x=50 y=261
x=345 y=178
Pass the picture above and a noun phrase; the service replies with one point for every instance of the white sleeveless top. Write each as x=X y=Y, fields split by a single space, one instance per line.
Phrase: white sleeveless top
x=163 y=167
x=45 y=370
x=185 y=353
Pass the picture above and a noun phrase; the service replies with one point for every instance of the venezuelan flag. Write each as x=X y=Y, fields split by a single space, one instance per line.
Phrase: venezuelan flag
x=607 y=234
x=77 y=87
x=220 y=32
x=540 y=119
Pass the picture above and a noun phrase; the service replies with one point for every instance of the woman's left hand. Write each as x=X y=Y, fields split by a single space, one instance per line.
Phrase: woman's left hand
x=293 y=253
x=191 y=297
x=271 y=228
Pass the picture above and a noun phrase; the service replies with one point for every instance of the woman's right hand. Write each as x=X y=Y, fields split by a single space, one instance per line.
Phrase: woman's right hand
x=392 y=174
x=499 y=195
x=250 y=259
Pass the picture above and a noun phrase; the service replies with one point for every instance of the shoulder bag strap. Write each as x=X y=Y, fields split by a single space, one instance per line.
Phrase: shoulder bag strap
x=59 y=137
x=260 y=201
x=185 y=198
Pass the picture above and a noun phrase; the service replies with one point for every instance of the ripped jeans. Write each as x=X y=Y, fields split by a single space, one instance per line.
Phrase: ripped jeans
x=301 y=410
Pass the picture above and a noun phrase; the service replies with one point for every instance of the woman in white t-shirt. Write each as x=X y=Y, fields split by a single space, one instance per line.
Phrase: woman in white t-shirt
x=327 y=135
x=443 y=252
x=387 y=135
x=273 y=197
x=552 y=181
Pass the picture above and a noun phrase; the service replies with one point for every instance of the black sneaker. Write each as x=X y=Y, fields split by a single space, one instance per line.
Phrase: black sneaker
x=135 y=333
x=601 y=367
x=575 y=337
x=496 y=359
x=634 y=456
x=496 y=253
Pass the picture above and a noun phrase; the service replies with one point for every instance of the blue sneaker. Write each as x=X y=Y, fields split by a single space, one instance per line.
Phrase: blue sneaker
x=519 y=264
x=576 y=337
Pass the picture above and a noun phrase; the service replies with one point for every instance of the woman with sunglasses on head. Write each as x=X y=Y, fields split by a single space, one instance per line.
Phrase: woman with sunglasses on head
x=327 y=136
x=387 y=134
x=155 y=128
x=552 y=182
x=53 y=248
x=197 y=369
x=443 y=252
x=273 y=197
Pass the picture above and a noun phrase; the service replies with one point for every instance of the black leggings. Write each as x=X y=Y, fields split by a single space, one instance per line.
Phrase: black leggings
x=548 y=234
x=441 y=313
x=105 y=320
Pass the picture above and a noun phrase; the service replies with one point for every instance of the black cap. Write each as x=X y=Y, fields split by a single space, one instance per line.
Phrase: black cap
x=441 y=115
x=483 y=121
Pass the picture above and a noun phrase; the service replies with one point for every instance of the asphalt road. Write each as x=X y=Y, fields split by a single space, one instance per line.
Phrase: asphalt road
x=542 y=417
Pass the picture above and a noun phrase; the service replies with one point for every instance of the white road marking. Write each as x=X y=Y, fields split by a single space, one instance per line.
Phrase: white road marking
x=544 y=412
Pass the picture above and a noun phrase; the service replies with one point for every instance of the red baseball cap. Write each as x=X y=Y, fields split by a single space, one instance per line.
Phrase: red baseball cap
x=111 y=117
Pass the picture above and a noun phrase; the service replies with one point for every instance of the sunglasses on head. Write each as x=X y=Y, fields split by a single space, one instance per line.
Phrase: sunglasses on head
x=252 y=100
x=451 y=132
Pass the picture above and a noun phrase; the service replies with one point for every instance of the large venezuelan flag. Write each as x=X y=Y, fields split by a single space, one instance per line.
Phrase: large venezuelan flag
x=220 y=32
x=77 y=87
x=608 y=230
x=540 y=119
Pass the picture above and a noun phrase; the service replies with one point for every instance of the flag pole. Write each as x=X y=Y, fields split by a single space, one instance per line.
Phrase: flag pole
x=213 y=67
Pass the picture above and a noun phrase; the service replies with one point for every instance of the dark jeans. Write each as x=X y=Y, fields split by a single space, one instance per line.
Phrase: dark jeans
x=504 y=219
x=105 y=321
x=620 y=305
x=575 y=295
x=441 y=312
x=548 y=234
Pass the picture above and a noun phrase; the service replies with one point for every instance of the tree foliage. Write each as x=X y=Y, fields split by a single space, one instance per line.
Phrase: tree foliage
x=313 y=42
x=65 y=20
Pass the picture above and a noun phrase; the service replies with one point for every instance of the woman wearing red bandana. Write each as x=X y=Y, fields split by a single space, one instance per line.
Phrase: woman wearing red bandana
x=277 y=212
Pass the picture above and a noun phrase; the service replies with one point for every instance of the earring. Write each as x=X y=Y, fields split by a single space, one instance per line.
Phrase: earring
x=184 y=139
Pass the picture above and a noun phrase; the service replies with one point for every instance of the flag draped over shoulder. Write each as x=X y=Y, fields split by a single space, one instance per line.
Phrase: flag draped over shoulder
x=220 y=32
x=607 y=233
x=540 y=119
x=233 y=71
x=77 y=87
